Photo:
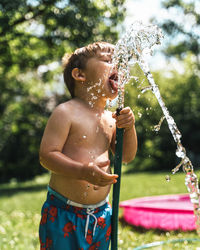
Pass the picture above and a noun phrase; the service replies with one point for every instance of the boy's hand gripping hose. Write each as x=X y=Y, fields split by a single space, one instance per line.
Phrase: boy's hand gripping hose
x=116 y=187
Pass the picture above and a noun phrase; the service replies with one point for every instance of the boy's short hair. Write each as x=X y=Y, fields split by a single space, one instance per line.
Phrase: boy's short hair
x=79 y=58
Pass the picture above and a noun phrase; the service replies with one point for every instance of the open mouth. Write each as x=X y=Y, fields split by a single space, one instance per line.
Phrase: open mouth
x=113 y=81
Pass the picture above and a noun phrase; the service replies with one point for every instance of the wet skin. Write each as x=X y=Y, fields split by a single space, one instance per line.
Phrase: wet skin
x=88 y=141
x=80 y=133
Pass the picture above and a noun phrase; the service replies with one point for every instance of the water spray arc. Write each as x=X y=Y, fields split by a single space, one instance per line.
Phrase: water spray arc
x=138 y=41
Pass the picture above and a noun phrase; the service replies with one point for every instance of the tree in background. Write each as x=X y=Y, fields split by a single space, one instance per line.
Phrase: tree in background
x=179 y=84
x=182 y=25
x=34 y=35
x=180 y=92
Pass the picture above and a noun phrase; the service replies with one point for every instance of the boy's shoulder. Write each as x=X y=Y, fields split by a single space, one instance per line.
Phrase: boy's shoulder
x=65 y=106
x=69 y=110
x=63 y=110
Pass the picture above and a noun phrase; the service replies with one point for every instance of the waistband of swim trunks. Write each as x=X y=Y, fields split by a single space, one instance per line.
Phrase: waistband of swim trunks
x=72 y=203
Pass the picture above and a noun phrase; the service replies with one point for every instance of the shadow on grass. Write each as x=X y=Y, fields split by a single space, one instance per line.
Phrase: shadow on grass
x=14 y=190
x=144 y=230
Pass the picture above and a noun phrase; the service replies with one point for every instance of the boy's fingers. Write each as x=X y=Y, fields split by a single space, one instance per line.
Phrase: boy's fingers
x=114 y=115
x=125 y=120
x=105 y=176
x=103 y=163
x=110 y=176
x=125 y=123
x=108 y=181
x=124 y=116
x=125 y=110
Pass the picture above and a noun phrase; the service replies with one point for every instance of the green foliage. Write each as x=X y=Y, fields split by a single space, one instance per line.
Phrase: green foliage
x=33 y=35
x=183 y=27
x=180 y=92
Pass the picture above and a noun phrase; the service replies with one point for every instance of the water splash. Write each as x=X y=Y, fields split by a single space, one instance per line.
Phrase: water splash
x=167 y=178
x=132 y=48
x=157 y=127
x=137 y=41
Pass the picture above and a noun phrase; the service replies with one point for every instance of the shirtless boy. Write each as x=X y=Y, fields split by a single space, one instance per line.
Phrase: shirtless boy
x=74 y=148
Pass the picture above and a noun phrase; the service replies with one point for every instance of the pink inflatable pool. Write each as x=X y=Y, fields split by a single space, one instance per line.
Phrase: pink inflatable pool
x=167 y=212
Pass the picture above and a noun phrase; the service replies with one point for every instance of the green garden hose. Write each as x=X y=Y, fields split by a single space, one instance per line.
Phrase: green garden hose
x=116 y=186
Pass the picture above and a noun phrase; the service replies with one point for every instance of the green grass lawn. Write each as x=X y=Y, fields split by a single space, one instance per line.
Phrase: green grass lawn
x=20 y=205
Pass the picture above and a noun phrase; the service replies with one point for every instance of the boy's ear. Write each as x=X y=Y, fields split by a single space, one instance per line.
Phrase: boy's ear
x=78 y=75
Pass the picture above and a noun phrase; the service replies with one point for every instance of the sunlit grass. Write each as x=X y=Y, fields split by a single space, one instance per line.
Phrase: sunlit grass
x=20 y=205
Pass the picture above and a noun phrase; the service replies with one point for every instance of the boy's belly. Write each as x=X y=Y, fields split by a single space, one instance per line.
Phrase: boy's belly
x=77 y=190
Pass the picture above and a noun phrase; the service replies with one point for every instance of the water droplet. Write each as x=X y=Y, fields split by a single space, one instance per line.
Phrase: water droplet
x=174 y=171
x=180 y=152
x=167 y=178
x=143 y=90
x=157 y=127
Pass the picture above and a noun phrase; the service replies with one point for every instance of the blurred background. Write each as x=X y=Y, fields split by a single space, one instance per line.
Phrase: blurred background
x=34 y=35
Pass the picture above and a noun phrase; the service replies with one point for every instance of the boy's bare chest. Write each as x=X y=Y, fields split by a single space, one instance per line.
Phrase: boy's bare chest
x=91 y=129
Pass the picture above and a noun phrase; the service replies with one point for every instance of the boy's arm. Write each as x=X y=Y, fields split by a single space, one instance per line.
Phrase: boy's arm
x=126 y=120
x=52 y=158
x=53 y=140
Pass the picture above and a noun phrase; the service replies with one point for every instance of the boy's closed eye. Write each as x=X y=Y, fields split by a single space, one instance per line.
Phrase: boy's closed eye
x=106 y=59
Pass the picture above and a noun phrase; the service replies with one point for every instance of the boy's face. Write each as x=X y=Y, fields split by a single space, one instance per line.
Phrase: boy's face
x=101 y=77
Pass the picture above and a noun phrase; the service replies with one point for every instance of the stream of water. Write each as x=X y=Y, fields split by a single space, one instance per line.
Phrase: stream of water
x=131 y=48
